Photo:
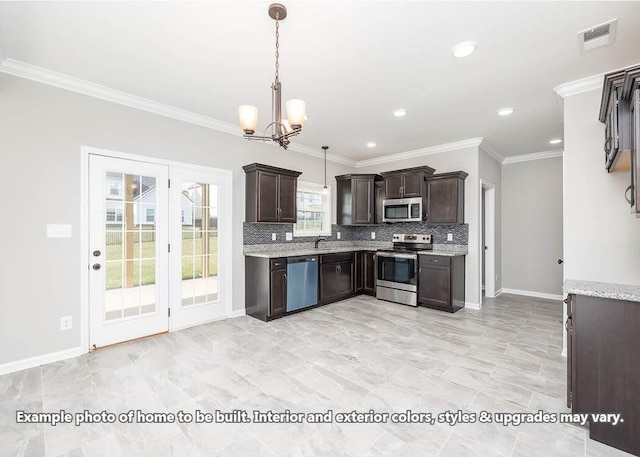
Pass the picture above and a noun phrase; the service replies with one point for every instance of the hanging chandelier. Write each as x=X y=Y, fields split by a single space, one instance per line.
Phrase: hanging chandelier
x=279 y=130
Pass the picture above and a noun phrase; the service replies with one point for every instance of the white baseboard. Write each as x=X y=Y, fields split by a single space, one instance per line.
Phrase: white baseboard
x=238 y=313
x=499 y=292
x=474 y=306
x=530 y=293
x=18 y=365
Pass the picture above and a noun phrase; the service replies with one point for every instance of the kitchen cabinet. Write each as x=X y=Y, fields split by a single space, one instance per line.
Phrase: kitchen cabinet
x=441 y=282
x=270 y=193
x=631 y=92
x=445 y=198
x=337 y=276
x=356 y=199
x=365 y=272
x=406 y=183
x=603 y=366
x=266 y=292
x=379 y=198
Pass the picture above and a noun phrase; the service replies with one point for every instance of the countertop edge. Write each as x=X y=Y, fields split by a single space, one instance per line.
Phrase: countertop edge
x=614 y=291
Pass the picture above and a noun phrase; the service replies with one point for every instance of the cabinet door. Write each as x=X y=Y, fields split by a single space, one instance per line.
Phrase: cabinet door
x=345 y=278
x=278 y=293
x=328 y=282
x=287 y=195
x=442 y=200
x=392 y=186
x=359 y=271
x=434 y=286
x=412 y=185
x=267 y=196
x=379 y=198
x=569 y=329
x=369 y=285
x=635 y=153
x=362 y=200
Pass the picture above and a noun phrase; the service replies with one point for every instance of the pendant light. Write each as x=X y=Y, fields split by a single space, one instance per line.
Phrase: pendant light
x=325 y=189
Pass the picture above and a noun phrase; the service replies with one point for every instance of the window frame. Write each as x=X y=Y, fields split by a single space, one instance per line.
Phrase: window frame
x=311 y=187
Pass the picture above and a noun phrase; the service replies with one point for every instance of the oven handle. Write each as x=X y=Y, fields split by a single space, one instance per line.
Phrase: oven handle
x=398 y=255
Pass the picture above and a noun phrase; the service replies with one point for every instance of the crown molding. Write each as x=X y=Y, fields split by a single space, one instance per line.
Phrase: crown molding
x=579 y=86
x=532 y=156
x=492 y=152
x=470 y=143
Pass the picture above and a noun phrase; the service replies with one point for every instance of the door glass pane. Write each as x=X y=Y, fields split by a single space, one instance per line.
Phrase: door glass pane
x=130 y=243
x=199 y=216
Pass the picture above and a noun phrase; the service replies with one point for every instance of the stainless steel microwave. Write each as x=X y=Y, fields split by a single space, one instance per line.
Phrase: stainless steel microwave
x=402 y=210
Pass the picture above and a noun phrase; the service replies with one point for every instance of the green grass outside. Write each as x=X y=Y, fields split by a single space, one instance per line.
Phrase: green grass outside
x=192 y=262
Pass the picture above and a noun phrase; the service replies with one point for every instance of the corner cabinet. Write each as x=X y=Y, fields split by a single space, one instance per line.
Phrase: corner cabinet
x=356 y=199
x=266 y=292
x=270 y=193
x=631 y=92
x=365 y=272
x=337 y=274
x=445 y=198
x=603 y=366
x=406 y=183
x=615 y=115
x=441 y=282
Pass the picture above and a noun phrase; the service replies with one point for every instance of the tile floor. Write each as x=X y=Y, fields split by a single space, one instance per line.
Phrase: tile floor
x=361 y=354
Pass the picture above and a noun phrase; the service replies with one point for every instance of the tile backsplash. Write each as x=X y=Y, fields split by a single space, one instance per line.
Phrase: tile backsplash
x=260 y=233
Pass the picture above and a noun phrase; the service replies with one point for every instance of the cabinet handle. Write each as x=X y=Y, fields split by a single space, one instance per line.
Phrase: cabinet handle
x=369 y=218
x=607 y=145
x=285 y=278
x=629 y=200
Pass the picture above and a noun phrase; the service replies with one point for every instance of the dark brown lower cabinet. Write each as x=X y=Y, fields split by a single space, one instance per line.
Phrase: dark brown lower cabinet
x=266 y=292
x=365 y=272
x=603 y=371
x=337 y=276
x=441 y=282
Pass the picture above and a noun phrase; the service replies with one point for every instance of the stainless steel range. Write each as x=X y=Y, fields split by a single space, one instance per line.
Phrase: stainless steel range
x=397 y=278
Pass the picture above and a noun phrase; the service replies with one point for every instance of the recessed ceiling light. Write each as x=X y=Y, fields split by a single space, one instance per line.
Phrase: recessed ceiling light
x=506 y=111
x=464 y=49
x=400 y=112
x=555 y=141
x=371 y=144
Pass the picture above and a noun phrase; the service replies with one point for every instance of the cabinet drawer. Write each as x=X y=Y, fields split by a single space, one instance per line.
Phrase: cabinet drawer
x=435 y=260
x=278 y=264
x=338 y=257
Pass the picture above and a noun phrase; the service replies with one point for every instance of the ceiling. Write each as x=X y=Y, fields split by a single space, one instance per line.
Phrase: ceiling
x=353 y=62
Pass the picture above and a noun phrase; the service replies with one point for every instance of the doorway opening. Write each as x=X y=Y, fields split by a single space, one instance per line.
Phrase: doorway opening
x=488 y=240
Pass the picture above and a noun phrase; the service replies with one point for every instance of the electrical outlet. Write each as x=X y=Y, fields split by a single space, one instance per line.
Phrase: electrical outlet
x=274 y=237
x=338 y=235
x=373 y=235
x=65 y=323
x=288 y=236
x=449 y=236
x=58 y=231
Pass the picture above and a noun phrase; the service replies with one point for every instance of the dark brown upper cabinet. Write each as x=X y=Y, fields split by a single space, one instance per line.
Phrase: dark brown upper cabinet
x=445 y=198
x=379 y=188
x=356 y=199
x=631 y=92
x=406 y=183
x=270 y=193
x=615 y=114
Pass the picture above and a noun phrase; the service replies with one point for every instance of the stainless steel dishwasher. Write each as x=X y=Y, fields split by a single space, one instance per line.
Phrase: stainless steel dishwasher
x=302 y=282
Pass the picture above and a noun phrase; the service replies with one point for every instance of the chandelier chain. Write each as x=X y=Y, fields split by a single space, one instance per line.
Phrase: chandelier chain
x=277 y=44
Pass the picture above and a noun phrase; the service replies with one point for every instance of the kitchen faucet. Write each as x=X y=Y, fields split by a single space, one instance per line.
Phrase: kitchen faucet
x=315 y=244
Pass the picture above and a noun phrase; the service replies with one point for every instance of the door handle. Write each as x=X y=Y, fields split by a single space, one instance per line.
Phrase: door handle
x=96 y=266
x=560 y=261
x=96 y=253
x=629 y=200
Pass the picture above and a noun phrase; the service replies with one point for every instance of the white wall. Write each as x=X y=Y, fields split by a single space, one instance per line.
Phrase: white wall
x=41 y=131
x=532 y=226
x=601 y=238
x=465 y=160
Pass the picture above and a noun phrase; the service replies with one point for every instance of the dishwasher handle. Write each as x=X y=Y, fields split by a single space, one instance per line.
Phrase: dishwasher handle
x=301 y=259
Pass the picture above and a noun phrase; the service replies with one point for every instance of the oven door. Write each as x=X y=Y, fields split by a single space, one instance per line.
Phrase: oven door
x=397 y=270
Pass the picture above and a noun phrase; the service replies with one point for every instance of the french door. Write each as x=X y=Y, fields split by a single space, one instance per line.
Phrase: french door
x=128 y=240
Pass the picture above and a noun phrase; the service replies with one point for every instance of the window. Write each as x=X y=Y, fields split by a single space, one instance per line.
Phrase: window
x=314 y=210
x=114 y=215
x=151 y=215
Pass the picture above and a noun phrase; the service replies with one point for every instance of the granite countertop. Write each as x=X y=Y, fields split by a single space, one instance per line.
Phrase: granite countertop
x=290 y=251
x=602 y=290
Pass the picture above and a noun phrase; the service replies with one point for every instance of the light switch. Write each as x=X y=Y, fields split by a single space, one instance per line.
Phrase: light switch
x=58 y=231
x=289 y=236
x=338 y=235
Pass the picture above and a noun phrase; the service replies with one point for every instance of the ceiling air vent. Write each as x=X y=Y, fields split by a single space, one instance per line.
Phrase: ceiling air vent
x=598 y=35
